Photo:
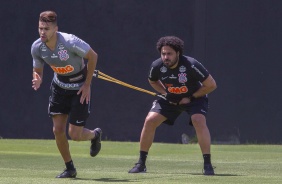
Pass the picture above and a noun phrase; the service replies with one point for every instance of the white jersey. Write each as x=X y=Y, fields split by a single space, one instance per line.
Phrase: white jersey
x=65 y=60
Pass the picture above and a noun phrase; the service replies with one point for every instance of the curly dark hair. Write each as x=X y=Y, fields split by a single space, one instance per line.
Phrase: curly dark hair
x=174 y=42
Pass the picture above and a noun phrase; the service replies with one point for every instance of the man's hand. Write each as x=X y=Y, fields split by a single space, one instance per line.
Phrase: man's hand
x=184 y=100
x=172 y=98
x=85 y=93
x=36 y=81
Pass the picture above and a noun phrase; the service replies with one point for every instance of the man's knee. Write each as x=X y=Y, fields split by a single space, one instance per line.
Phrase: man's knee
x=75 y=132
x=152 y=121
x=59 y=131
x=199 y=121
x=75 y=137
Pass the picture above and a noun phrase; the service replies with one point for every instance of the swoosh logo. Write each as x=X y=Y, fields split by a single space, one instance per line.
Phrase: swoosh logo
x=78 y=122
x=163 y=78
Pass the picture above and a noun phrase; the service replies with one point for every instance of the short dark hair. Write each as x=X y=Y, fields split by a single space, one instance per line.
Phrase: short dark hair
x=174 y=42
x=48 y=16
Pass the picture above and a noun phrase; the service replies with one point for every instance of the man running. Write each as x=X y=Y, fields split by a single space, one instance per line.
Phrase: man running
x=70 y=87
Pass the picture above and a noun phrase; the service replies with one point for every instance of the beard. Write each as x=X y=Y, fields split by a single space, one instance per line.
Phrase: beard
x=170 y=63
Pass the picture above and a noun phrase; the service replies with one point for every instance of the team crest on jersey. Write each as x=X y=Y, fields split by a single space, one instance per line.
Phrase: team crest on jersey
x=43 y=48
x=163 y=69
x=63 y=55
x=60 y=46
x=182 y=77
x=182 y=69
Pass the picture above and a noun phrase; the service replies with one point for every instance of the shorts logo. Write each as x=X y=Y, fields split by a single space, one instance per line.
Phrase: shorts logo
x=182 y=77
x=178 y=90
x=63 y=70
x=63 y=55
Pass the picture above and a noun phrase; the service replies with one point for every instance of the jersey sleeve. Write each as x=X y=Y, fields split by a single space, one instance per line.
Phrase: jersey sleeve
x=154 y=72
x=79 y=46
x=38 y=62
x=199 y=71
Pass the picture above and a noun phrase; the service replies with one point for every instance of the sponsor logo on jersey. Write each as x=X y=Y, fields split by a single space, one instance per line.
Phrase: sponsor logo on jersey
x=63 y=55
x=43 y=48
x=63 y=70
x=168 y=85
x=150 y=73
x=178 y=90
x=60 y=46
x=163 y=69
x=79 y=48
x=172 y=77
x=182 y=77
x=182 y=69
x=67 y=85
x=197 y=70
x=54 y=56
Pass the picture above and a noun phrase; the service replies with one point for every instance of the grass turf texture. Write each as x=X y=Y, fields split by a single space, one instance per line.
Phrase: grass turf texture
x=38 y=161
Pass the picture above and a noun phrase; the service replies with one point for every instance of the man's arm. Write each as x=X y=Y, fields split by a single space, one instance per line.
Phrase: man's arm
x=208 y=85
x=158 y=86
x=37 y=75
x=92 y=57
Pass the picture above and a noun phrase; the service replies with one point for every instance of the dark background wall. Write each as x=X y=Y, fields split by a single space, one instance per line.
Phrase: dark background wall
x=239 y=42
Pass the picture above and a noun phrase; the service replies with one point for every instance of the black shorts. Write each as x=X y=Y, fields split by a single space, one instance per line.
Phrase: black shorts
x=171 y=112
x=64 y=101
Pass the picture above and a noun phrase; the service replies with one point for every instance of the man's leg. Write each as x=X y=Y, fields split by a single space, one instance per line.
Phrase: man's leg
x=152 y=121
x=59 y=130
x=204 y=140
x=79 y=133
x=202 y=131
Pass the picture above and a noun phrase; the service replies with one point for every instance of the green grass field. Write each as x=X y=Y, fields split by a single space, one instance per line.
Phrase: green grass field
x=38 y=161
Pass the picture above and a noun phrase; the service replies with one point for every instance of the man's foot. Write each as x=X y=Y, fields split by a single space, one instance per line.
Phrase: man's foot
x=138 y=168
x=96 y=143
x=208 y=169
x=67 y=174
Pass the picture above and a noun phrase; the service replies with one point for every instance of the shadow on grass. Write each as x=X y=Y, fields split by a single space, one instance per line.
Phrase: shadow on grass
x=197 y=174
x=201 y=174
x=105 y=180
x=128 y=181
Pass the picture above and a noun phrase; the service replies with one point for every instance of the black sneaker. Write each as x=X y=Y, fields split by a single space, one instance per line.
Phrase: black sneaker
x=208 y=169
x=67 y=174
x=138 y=168
x=96 y=143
